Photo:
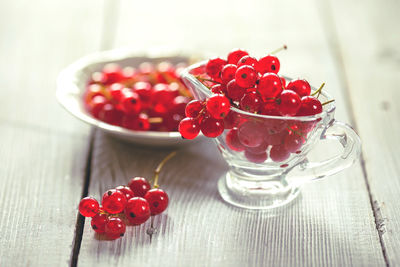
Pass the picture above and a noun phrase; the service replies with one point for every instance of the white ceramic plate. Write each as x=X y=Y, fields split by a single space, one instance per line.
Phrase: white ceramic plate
x=71 y=84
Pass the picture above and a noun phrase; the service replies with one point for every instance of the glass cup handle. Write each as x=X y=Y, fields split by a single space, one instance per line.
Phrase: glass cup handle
x=347 y=137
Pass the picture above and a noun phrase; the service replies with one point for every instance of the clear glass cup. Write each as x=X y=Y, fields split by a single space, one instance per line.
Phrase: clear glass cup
x=263 y=174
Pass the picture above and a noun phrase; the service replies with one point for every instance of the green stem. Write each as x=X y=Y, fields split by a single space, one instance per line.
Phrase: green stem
x=159 y=167
x=284 y=47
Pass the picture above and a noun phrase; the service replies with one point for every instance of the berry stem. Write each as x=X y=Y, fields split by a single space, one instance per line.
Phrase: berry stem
x=327 y=102
x=159 y=167
x=319 y=90
x=156 y=120
x=284 y=47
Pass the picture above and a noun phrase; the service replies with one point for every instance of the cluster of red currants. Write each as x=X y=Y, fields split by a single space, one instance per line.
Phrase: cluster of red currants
x=252 y=85
x=150 y=97
x=132 y=204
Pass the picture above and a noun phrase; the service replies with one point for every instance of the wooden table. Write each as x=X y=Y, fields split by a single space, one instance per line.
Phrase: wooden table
x=49 y=160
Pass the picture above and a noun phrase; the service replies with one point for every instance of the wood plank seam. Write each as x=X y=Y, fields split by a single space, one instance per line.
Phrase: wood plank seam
x=334 y=46
x=80 y=222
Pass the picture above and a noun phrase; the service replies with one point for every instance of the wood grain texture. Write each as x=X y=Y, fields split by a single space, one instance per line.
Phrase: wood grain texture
x=42 y=148
x=332 y=224
x=369 y=41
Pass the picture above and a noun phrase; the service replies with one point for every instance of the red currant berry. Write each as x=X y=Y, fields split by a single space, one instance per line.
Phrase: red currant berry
x=301 y=87
x=179 y=105
x=275 y=138
x=235 y=55
x=250 y=102
x=293 y=142
x=113 y=201
x=232 y=120
x=214 y=67
x=218 y=106
x=96 y=105
x=112 y=73
x=246 y=76
x=232 y=140
x=250 y=134
x=278 y=153
x=139 y=186
x=248 y=60
x=234 y=91
x=99 y=223
x=289 y=103
x=218 y=88
x=268 y=64
x=193 y=108
x=144 y=90
x=111 y=115
x=164 y=93
x=256 y=158
x=270 y=108
x=228 y=73
x=114 y=228
x=211 y=127
x=258 y=149
x=88 y=207
x=158 y=200
x=269 y=86
x=189 y=128
x=116 y=90
x=126 y=191
x=137 y=210
x=309 y=106
x=131 y=103
x=136 y=122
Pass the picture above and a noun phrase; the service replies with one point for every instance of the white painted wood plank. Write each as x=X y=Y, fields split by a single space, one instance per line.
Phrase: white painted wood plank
x=369 y=40
x=331 y=224
x=42 y=148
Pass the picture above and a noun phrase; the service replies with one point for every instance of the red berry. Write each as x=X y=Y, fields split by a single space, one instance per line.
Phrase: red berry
x=211 y=127
x=232 y=120
x=126 y=191
x=269 y=108
x=131 y=103
x=164 y=93
x=137 y=210
x=250 y=102
x=144 y=90
x=112 y=73
x=248 y=60
x=116 y=90
x=268 y=64
x=218 y=106
x=214 y=67
x=232 y=140
x=250 y=134
x=258 y=149
x=289 y=103
x=139 y=186
x=234 y=91
x=309 y=106
x=111 y=115
x=136 y=122
x=96 y=105
x=275 y=138
x=88 y=207
x=189 y=128
x=193 y=108
x=246 y=76
x=256 y=158
x=278 y=153
x=269 y=85
x=301 y=87
x=218 y=88
x=99 y=223
x=179 y=105
x=113 y=201
x=228 y=73
x=158 y=200
x=114 y=228
x=293 y=142
x=235 y=55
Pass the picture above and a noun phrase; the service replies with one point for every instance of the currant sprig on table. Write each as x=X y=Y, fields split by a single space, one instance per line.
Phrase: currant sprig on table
x=252 y=85
x=132 y=204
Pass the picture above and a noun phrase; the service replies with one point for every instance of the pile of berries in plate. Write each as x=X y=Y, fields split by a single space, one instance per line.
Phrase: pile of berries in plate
x=126 y=205
x=242 y=82
x=149 y=98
